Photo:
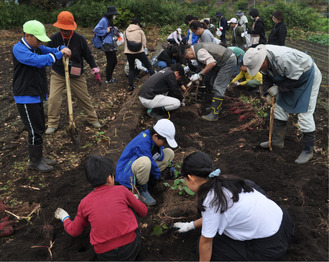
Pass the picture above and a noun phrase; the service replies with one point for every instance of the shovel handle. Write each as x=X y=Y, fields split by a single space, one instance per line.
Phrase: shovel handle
x=68 y=89
x=271 y=123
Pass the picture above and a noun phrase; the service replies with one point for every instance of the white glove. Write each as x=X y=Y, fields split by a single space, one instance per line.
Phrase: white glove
x=186 y=69
x=195 y=77
x=243 y=34
x=136 y=196
x=237 y=83
x=269 y=99
x=61 y=214
x=184 y=226
x=194 y=63
x=273 y=91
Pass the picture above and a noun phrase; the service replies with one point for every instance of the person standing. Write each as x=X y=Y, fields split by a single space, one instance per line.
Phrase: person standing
x=204 y=34
x=221 y=61
x=239 y=222
x=243 y=20
x=222 y=23
x=237 y=39
x=279 y=31
x=294 y=78
x=80 y=51
x=135 y=33
x=107 y=31
x=257 y=30
x=192 y=39
x=30 y=58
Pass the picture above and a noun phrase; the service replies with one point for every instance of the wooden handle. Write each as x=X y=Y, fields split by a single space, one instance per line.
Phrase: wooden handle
x=68 y=88
x=271 y=123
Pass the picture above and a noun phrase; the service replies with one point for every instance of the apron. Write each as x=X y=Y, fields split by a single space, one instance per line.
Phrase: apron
x=297 y=99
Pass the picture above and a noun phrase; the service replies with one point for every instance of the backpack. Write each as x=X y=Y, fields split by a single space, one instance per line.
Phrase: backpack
x=97 y=41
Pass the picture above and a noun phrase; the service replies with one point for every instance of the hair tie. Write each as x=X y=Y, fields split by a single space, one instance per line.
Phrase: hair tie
x=214 y=173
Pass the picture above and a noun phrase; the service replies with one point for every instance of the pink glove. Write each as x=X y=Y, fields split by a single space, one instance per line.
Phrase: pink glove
x=98 y=78
x=95 y=70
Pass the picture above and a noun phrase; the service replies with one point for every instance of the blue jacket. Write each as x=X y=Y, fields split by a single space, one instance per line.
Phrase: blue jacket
x=30 y=78
x=141 y=145
x=195 y=38
x=101 y=30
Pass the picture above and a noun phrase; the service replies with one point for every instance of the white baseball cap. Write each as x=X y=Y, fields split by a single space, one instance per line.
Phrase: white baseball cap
x=254 y=58
x=179 y=30
x=233 y=20
x=166 y=128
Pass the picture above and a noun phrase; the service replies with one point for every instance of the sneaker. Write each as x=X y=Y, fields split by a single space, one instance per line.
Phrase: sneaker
x=154 y=114
x=50 y=131
x=96 y=124
x=113 y=80
x=131 y=88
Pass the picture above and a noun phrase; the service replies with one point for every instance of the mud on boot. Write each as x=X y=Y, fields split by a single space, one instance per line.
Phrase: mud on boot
x=36 y=159
x=145 y=196
x=279 y=133
x=216 y=107
x=306 y=155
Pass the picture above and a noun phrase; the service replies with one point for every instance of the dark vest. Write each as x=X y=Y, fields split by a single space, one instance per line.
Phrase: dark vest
x=29 y=80
x=220 y=53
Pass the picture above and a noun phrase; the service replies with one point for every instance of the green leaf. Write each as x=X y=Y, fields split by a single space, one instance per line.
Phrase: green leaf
x=157 y=230
x=189 y=191
x=164 y=226
x=166 y=184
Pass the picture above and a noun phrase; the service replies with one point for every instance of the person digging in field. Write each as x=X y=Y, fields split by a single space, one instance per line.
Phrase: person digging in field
x=30 y=59
x=161 y=92
x=250 y=82
x=221 y=61
x=145 y=157
x=238 y=221
x=110 y=210
x=237 y=39
x=294 y=79
x=80 y=51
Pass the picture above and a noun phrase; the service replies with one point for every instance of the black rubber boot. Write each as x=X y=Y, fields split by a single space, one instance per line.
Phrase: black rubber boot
x=36 y=159
x=155 y=113
x=146 y=198
x=308 y=141
x=279 y=133
x=48 y=161
x=216 y=106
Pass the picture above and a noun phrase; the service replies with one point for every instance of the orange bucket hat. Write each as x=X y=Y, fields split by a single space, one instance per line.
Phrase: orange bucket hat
x=65 y=21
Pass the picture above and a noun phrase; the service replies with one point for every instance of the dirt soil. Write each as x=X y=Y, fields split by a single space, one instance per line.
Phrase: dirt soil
x=233 y=142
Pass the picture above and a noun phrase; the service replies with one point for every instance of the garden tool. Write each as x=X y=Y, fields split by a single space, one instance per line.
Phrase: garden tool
x=279 y=133
x=71 y=130
x=271 y=123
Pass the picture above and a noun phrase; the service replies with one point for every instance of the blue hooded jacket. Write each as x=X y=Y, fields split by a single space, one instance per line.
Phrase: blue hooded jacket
x=141 y=145
x=101 y=30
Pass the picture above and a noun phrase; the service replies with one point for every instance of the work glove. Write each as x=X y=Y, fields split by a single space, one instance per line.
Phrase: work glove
x=184 y=226
x=61 y=214
x=195 y=77
x=186 y=69
x=268 y=99
x=236 y=83
x=147 y=71
x=95 y=72
x=273 y=91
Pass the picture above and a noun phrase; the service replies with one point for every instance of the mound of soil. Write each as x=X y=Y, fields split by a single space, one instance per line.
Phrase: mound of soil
x=231 y=141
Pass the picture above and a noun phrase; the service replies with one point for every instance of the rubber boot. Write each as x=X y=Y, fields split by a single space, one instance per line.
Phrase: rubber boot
x=146 y=198
x=36 y=159
x=48 y=161
x=216 y=106
x=155 y=113
x=308 y=140
x=279 y=133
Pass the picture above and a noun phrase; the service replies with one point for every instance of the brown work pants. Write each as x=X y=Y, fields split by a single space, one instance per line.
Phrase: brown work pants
x=79 y=90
